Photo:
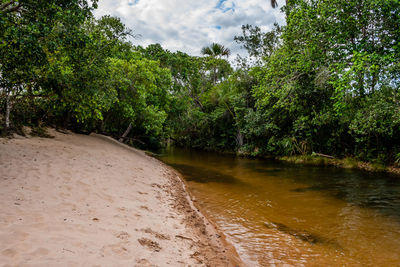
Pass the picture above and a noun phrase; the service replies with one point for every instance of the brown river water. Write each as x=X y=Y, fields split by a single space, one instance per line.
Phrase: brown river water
x=278 y=214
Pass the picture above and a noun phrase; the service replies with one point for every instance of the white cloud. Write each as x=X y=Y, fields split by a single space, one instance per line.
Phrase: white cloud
x=189 y=25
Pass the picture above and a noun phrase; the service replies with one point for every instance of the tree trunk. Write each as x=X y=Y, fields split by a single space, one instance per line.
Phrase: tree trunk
x=102 y=126
x=8 y=110
x=126 y=133
x=374 y=81
x=239 y=139
x=103 y=123
x=214 y=79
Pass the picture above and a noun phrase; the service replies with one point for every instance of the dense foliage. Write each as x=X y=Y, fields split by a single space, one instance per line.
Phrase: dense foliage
x=333 y=84
x=326 y=82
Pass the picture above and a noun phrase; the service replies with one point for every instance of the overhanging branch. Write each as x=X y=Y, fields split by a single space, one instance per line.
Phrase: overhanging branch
x=5 y=5
x=11 y=6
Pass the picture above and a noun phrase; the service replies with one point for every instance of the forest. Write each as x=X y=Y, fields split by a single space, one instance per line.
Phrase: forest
x=325 y=82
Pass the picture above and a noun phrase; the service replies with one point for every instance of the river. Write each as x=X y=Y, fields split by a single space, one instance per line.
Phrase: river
x=279 y=214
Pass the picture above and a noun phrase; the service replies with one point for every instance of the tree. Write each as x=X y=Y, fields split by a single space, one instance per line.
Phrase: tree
x=143 y=99
x=274 y=3
x=25 y=27
x=257 y=43
x=216 y=51
x=334 y=55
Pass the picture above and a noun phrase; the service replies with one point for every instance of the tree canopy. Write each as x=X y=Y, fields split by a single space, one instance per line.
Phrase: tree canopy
x=326 y=82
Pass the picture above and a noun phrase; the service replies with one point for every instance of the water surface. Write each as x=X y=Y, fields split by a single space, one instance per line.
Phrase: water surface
x=276 y=213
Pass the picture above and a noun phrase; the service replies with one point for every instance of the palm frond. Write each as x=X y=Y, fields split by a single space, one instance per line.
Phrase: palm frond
x=216 y=50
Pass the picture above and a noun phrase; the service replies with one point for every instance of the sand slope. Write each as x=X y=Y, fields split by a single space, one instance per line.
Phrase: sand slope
x=79 y=200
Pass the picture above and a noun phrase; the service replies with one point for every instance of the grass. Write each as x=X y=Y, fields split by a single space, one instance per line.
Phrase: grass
x=307 y=159
x=348 y=163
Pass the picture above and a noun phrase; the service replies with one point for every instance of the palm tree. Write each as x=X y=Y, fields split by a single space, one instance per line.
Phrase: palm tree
x=274 y=3
x=216 y=51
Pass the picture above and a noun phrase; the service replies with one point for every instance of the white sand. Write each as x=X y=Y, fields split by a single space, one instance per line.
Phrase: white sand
x=79 y=200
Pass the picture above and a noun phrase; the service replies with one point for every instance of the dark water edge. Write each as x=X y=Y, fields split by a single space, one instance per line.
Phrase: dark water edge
x=346 y=163
x=313 y=160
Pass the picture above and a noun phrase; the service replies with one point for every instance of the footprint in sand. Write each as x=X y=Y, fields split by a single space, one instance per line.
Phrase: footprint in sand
x=144 y=263
x=40 y=252
x=122 y=209
x=117 y=250
x=21 y=235
x=156 y=185
x=122 y=235
x=10 y=252
x=157 y=235
x=152 y=245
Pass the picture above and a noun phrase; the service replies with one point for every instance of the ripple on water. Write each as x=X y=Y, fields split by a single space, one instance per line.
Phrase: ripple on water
x=322 y=216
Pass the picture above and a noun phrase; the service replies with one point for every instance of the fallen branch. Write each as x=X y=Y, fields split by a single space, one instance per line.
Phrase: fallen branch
x=122 y=138
x=131 y=139
x=323 y=155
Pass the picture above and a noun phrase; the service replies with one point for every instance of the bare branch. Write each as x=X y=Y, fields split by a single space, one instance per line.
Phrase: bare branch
x=6 y=4
x=13 y=9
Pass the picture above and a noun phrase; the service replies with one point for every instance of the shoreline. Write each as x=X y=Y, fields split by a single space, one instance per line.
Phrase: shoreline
x=202 y=222
x=76 y=200
x=209 y=225
x=346 y=163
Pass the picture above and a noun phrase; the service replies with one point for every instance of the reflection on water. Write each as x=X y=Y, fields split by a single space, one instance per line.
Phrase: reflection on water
x=302 y=234
x=204 y=175
x=279 y=214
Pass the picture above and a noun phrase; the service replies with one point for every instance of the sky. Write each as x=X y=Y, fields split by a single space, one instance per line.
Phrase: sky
x=189 y=25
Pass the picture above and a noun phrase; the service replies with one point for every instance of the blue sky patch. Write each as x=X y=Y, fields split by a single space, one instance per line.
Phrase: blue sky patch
x=221 y=6
x=130 y=3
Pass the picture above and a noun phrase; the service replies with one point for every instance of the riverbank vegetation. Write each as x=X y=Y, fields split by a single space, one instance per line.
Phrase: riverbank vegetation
x=346 y=163
x=326 y=82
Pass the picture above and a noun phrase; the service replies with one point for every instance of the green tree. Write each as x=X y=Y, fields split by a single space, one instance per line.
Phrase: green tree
x=215 y=52
x=24 y=28
x=142 y=96
x=334 y=54
x=77 y=77
x=257 y=43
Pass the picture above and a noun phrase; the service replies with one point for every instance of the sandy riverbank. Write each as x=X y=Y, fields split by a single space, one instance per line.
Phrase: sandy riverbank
x=77 y=200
